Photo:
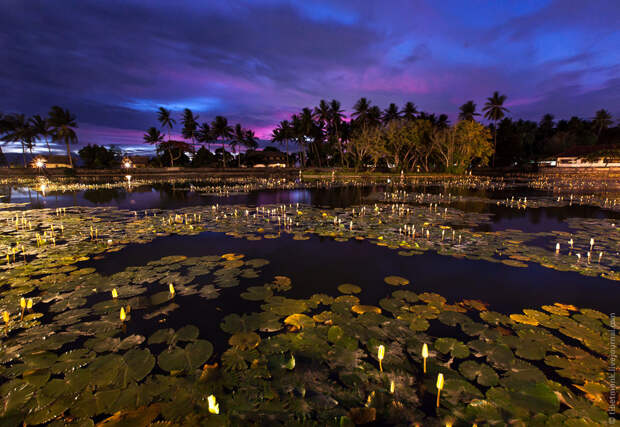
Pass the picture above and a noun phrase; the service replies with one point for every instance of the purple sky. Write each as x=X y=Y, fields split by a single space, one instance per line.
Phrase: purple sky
x=113 y=63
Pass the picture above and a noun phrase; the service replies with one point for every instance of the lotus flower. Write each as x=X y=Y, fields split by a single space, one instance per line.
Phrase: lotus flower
x=380 y=356
x=439 y=386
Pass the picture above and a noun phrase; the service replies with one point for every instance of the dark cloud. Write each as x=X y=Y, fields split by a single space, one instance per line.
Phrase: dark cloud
x=113 y=62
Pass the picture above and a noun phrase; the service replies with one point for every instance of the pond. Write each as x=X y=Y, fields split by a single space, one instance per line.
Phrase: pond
x=314 y=302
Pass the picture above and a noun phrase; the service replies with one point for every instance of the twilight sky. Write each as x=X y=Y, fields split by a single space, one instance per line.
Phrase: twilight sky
x=113 y=63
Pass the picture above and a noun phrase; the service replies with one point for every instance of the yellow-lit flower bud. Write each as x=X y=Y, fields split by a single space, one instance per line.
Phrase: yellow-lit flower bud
x=214 y=407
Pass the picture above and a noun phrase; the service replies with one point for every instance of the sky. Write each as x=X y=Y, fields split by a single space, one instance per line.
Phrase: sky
x=112 y=63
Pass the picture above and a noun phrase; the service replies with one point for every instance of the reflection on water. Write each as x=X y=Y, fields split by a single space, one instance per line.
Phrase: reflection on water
x=507 y=289
x=173 y=196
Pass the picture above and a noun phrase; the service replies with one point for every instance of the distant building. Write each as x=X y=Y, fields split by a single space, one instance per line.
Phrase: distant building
x=135 y=162
x=590 y=156
x=265 y=158
x=51 y=161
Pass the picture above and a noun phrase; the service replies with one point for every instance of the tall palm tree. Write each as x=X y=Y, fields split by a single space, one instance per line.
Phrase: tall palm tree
x=361 y=111
x=153 y=136
x=190 y=126
x=297 y=132
x=374 y=116
x=602 y=120
x=42 y=128
x=336 y=117
x=18 y=129
x=409 y=111
x=204 y=136
x=164 y=117
x=238 y=139
x=391 y=113
x=63 y=126
x=494 y=110
x=221 y=130
x=282 y=134
x=250 y=141
x=467 y=111
x=311 y=132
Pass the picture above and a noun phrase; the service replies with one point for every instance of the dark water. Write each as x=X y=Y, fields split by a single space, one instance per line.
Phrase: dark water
x=319 y=265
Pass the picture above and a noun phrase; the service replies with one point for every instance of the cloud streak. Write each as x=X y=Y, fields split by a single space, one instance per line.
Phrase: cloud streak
x=113 y=63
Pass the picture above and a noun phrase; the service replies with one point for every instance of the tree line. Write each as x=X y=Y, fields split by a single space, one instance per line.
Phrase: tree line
x=58 y=126
x=194 y=133
x=411 y=140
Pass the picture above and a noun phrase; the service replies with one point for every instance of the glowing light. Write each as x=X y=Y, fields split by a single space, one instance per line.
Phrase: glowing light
x=439 y=386
x=425 y=355
x=123 y=315
x=114 y=293
x=214 y=407
x=22 y=302
x=29 y=304
x=6 y=317
x=380 y=356
x=171 y=289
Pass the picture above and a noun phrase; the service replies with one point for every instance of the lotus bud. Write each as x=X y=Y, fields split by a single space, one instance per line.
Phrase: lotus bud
x=114 y=293
x=123 y=315
x=22 y=303
x=591 y=243
x=425 y=355
x=6 y=317
x=439 y=386
x=171 y=288
x=29 y=304
x=557 y=248
x=392 y=386
x=380 y=355
x=214 y=407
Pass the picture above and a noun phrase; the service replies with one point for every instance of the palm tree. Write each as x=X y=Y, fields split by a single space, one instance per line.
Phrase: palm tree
x=238 y=138
x=282 y=134
x=221 y=130
x=494 y=110
x=18 y=129
x=391 y=113
x=602 y=120
x=336 y=116
x=164 y=117
x=467 y=111
x=410 y=111
x=190 y=125
x=154 y=137
x=204 y=135
x=311 y=130
x=361 y=111
x=42 y=128
x=63 y=126
x=250 y=141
